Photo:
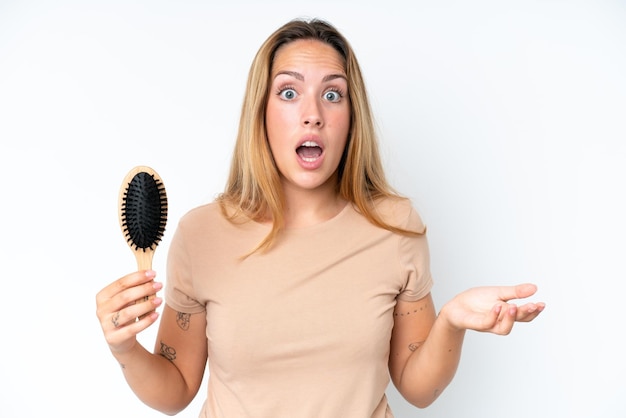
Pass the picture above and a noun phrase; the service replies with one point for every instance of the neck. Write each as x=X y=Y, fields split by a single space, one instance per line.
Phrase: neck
x=310 y=207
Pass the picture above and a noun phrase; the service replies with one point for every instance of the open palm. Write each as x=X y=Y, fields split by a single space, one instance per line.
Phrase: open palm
x=488 y=308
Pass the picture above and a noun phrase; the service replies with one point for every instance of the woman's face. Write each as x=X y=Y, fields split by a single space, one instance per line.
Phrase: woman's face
x=308 y=113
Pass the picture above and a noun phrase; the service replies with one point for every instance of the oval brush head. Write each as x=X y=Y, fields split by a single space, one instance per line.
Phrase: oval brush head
x=143 y=213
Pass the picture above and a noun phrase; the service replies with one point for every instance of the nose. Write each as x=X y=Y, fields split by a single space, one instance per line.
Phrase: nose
x=312 y=115
x=313 y=121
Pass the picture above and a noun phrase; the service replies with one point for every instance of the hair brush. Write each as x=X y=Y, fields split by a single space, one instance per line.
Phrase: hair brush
x=143 y=213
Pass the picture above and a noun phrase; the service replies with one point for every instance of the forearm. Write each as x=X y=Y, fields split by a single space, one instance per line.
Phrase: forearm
x=432 y=366
x=154 y=379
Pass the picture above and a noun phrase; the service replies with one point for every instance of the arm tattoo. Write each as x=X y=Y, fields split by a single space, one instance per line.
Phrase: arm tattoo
x=415 y=346
x=168 y=352
x=436 y=393
x=183 y=319
x=407 y=313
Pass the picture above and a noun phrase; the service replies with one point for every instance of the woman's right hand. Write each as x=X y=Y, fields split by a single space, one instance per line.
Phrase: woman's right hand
x=120 y=304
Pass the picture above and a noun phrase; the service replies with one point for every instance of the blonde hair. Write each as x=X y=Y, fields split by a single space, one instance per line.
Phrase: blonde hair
x=253 y=190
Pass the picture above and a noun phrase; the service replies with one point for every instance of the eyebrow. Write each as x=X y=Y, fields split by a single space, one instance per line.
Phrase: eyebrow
x=300 y=77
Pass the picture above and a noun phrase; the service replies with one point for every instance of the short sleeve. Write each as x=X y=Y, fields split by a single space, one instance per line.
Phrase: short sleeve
x=415 y=260
x=179 y=288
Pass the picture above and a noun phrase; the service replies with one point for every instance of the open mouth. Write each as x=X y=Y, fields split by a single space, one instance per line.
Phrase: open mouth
x=309 y=151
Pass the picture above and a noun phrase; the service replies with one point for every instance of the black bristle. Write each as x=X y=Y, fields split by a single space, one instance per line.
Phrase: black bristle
x=144 y=211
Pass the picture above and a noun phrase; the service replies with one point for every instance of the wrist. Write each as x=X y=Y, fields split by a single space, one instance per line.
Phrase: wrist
x=447 y=318
x=122 y=354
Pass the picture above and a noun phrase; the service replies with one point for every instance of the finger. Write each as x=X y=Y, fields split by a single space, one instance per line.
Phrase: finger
x=128 y=281
x=129 y=314
x=135 y=295
x=506 y=319
x=530 y=311
x=506 y=326
x=126 y=299
x=119 y=339
x=493 y=319
x=520 y=291
x=507 y=311
x=132 y=281
x=131 y=296
x=115 y=319
x=121 y=318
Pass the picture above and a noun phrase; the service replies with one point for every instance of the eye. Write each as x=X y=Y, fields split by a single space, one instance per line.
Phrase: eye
x=333 y=96
x=287 y=93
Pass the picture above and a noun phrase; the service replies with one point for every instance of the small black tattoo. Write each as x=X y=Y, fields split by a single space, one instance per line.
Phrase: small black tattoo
x=168 y=352
x=116 y=319
x=421 y=308
x=183 y=319
x=415 y=346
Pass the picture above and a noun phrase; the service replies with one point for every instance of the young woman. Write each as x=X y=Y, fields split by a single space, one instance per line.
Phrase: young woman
x=306 y=284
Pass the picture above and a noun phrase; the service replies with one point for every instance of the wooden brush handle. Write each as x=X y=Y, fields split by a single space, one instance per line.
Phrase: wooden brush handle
x=144 y=262
x=144 y=258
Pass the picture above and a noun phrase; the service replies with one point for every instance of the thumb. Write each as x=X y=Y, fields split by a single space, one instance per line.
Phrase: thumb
x=519 y=291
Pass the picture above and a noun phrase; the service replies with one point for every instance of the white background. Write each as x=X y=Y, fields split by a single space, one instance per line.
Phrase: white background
x=504 y=121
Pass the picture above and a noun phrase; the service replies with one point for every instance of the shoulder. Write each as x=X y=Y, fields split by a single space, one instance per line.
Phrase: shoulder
x=400 y=212
x=207 y=213
x=212 y=222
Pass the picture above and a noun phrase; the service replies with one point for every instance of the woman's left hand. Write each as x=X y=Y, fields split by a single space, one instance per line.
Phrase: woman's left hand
x=487 y=309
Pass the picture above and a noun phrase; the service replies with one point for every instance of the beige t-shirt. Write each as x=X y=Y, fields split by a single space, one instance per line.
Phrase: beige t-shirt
x=303 y=330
